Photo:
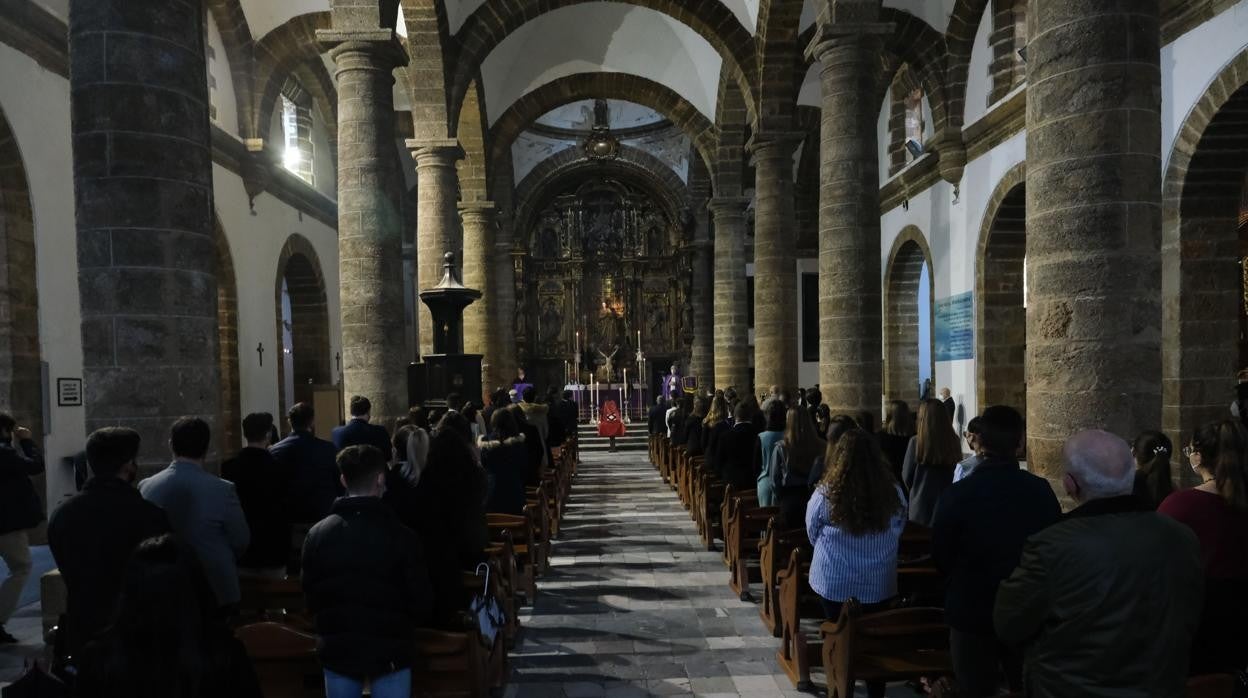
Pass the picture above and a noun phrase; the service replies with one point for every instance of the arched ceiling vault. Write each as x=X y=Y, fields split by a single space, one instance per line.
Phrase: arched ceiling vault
x=556 y=93
x=633 y=163
x=492 y=24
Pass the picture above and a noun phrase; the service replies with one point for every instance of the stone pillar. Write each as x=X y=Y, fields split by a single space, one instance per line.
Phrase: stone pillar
x=480 y=332
x=370 y=222
x=850 y=362
x=702 y=356
x=437 y=218
x=775 y=262
x=1093 y=222
x=732 y=346
x=504 y=363
x=147 y=277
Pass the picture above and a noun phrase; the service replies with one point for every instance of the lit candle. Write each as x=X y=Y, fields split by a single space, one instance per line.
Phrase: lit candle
x=638 y=339
x=578 y=341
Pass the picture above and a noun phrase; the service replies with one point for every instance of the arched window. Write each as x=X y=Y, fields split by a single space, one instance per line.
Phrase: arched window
x=905 y=120
x=297 y=152
x=1009 y=36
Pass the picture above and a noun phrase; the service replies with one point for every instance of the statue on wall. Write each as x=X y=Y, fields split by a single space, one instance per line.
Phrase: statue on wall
x=551 y=322
x=548 y=243
x=654 y=241
x=656 y=314
x=686 y=317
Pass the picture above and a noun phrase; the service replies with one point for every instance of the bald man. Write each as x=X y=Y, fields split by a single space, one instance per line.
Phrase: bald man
x=1109 y=597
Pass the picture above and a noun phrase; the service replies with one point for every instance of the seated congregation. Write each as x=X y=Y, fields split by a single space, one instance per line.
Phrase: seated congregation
x=392 y=563
x=895 y=556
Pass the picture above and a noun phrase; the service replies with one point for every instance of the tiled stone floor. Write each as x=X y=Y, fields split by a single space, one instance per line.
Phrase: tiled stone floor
x=634 y=606
x=26 y=623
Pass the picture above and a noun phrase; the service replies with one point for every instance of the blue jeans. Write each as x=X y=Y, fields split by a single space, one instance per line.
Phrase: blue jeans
x=396 y=685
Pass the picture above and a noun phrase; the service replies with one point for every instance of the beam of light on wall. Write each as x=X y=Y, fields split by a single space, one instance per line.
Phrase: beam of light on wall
x=291 y=158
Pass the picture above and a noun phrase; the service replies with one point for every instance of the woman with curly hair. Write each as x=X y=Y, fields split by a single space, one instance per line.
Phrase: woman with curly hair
x=854 y=520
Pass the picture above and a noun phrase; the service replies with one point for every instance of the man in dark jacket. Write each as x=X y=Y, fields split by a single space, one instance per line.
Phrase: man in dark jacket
x=532 y=444
x=314 y=483
x=568 y=414
x=365 y=579
x=735 y=454
x=656 y=416
x=262 y=485
x=1106 y=601
x=94 y=533
x=358 y=431
x=977 y=535
x=20 y=511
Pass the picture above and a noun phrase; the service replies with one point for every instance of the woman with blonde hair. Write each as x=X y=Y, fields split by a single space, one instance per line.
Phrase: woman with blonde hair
x=854 y=521
x=930 y=459
x=791 y=461
x=714 y=426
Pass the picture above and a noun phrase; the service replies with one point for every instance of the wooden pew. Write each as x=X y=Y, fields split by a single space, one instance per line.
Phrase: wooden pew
x=502 y=559
x=1211 y=686
x=450 y=664
x=707 y=505
x=774 y=551
x=747 y=521
x=898 y=645
x=539 y=511
x=732 y=498
x=800 y=647
x=284 y=659
x=265 y=599
x=522 y=542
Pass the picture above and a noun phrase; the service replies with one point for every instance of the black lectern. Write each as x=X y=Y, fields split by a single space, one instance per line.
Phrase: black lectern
x=447 y=370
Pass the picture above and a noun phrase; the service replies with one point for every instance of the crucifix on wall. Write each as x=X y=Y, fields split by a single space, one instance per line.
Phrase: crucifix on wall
x=260 y=352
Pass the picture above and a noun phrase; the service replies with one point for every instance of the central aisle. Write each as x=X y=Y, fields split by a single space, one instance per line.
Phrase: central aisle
x=633 y=605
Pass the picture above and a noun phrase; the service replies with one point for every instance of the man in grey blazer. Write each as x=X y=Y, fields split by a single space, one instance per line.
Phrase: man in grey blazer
x=203 y=509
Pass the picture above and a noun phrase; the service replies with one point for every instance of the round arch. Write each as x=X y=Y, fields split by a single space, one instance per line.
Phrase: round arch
x=20 y=384
x=622 y=86
x=490 y=25
x=231 y=418
x=299 y=269
x=1000 y=301
x=907 y=258
x=290 y=49
x=1203 y=245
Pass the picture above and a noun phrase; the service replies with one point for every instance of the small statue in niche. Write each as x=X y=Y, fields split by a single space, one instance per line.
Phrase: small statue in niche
x=552 y=324
x=654 y=241
x=656 y=312
x=522 y=318
x=686 y=318
x=548 y=243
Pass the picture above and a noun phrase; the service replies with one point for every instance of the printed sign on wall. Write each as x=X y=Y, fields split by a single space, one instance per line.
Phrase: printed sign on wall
x=955 y=328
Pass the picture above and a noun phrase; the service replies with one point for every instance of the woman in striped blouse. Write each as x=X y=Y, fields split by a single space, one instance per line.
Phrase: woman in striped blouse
x=854 y=520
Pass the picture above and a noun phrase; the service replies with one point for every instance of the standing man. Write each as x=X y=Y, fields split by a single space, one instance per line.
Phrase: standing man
x=946 y=399
x=314 y=482
x=1106 y=601
x=263 y=485
x=20 y=511
x=93 y=535
x=203 y=509
x=978 y=532
x=358 y=431
x=366 y=581
x=656 y=417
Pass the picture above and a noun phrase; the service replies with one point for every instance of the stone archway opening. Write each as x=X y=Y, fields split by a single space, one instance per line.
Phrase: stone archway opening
x=1204 y=247
x=1002 y=305
x=231 y=418
x=21 y=383
x=910 y=359
x=303 y=360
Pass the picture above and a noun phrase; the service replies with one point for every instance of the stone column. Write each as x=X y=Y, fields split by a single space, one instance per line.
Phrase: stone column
x=370 y=222
x=850 y=361
x=1093 y=222
x=480 y=332
x=702 y=356
x=732 y=347
x=147 y=278
x=503 y=364
x=437 y=217
x=775 y=262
